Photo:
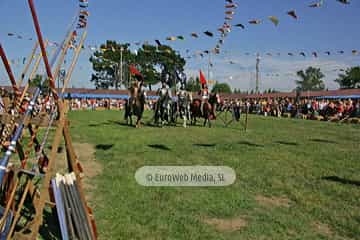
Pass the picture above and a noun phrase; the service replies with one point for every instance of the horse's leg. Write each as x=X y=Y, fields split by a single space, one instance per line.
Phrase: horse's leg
x=138 y=123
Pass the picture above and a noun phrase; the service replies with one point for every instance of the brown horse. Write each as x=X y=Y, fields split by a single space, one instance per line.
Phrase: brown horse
x=135 y=105
x=209 y=109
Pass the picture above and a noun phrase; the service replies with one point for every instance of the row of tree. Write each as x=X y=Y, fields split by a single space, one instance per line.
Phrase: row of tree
x=311 y=79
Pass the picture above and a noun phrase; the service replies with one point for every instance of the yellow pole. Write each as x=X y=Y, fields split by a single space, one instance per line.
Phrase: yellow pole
x=74 y=61
x=29 y=61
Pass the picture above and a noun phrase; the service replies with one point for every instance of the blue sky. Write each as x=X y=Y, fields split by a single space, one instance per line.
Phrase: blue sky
x=332 y=27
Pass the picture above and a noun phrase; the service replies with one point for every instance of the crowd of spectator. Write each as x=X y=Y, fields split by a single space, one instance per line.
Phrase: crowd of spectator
x=314 y=109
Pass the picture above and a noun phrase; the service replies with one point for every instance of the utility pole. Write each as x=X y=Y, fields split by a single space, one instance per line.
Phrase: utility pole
x=121 y=64
x=257 y=71
x=209 y=64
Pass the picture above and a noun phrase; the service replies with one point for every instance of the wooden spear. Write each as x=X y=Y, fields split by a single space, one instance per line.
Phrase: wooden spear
x=27 y=66
x=41 y=43
x=9 y=71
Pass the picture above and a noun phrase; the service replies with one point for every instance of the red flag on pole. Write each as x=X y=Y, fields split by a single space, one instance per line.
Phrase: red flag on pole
x=202 y=78
x=136 y=73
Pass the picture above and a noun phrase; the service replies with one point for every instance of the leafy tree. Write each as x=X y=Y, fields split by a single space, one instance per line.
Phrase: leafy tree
x=36 y=82
x=193 y=85
x=351 y=78
x=237 y=90
x=310 y=79
x=106 y=65
x=153 y=63
x=171 y=63
x=221 y=88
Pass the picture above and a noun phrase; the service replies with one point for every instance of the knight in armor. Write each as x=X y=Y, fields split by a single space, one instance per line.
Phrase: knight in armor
x=136 y=91
x=164 y=93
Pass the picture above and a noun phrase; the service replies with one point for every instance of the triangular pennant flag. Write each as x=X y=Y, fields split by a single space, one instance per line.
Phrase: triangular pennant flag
x=274 y=19
x=292 y=13
x=202 y=78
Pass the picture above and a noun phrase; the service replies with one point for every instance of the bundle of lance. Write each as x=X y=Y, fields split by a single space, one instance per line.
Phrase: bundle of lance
x=5 y=160
x=72 y=214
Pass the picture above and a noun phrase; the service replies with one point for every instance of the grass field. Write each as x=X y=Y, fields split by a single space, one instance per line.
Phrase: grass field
x=295 y=179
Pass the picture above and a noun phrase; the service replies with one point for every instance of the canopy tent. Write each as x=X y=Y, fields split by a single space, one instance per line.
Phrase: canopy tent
x=339 y=97
x=101 y=96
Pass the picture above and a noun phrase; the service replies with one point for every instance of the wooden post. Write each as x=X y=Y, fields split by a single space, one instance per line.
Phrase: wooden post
x=9 y=71
x=39 y=208
x=74 y=61
x=246 y=117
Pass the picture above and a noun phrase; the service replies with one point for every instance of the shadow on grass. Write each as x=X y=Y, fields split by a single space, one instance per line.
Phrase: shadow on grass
x=287 y=143
x=159 y=147
x=99 y=124
x=323 y=141
x=119 y=123
x=124 y=124
x=104 y=147
x=342 y=180
x=203 y=145
x=59 y=150
x=250 y=144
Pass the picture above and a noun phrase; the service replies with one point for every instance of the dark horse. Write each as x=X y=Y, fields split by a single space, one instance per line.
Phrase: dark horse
x=208 y=112
x=135 y=106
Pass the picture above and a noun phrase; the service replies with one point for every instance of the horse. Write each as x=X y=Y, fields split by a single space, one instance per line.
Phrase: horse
x=209 y=109
x=135 y=106
x=165 y=111
x=184 y=102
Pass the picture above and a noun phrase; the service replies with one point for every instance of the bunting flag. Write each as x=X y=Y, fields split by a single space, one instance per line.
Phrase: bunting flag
x=171 y=38
x=194 y=35
x=292 y=13
x=158 y=43
x=255 y=21
x=220 y=32
x=240 y=25
x=316 y=5
x=208 y=33
x=83 y=14
x=344 y=1
x=231 y=5
x=274 y=19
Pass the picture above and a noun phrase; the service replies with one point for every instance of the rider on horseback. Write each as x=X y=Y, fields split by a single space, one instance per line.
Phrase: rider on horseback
x=204 y=97
x=164 y=94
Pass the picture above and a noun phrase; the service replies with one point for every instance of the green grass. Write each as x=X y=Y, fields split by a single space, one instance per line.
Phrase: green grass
x=274 y=158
